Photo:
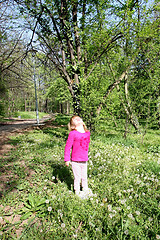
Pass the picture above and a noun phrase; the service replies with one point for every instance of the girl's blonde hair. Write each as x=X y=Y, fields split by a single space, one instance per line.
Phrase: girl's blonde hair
x=71 y=125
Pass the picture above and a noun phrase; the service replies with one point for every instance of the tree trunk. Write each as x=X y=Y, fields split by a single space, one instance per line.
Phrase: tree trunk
x=68 y=108
x=126 y=128
x=132 y=117
x=25 y=104
x=46 y=105
x=76 y=100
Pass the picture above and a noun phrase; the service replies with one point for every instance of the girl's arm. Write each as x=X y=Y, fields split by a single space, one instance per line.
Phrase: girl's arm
x=68 y=147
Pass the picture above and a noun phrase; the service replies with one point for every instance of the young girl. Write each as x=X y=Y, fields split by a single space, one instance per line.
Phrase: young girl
x=78 y=140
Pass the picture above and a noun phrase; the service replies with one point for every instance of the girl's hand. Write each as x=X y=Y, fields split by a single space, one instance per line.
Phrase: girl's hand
x=67 y=163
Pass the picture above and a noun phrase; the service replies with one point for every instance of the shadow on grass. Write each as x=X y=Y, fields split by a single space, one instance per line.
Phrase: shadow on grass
x=11 y=171
x=11 y=175
x=61 y=120
x=57 y=132
x=15 y=142
x=48 y=144
x=63 y=173
x=150 y=167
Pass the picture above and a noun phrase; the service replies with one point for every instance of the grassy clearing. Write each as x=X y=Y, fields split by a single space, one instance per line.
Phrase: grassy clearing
x=29 y=115
x=124 y=176
x=23 y=115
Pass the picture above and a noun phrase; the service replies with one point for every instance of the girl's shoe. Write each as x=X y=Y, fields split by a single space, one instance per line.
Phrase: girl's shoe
x=85 y=194
x=88 y=192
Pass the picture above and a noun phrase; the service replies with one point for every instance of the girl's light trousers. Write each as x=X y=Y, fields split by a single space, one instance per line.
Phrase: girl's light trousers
x=80 y=174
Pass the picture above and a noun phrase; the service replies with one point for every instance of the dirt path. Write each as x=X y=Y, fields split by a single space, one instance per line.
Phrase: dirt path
x=17 y=126
x=7 y=129
x=10 y=218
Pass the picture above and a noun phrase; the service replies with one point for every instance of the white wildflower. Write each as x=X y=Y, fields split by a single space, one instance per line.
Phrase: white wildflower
x=104 y=200
x=47 y=201
x=97 y=155
x=111 y=215
x=126 y=232
x=157 y=236
x=150 y=219
x=123 y=201
x=114 y=211
x=63 y=225
x=110 y=208
x=49 y=209
x=75 y=235
x=131 y=216
x=91 y=163
x=118 y=209
x=137 y=212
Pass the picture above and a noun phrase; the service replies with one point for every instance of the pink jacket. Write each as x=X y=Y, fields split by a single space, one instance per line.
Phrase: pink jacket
x=79 y=142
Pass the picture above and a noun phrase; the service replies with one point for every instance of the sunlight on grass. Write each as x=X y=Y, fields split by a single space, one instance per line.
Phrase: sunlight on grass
x=124 y=176
x=29 y=115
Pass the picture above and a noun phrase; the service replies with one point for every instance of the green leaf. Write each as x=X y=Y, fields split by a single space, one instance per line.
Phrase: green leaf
x=31 y=200
x=27 y=205
x=38 y=208
x=26 y=215
x=24 y=209
x=41 y=202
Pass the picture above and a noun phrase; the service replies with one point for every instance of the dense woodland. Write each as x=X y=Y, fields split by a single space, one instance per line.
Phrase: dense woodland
x=98 y=59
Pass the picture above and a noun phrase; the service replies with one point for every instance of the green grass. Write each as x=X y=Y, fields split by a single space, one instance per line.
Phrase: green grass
x=23 y=115
x=124 y=176
x=28 y=115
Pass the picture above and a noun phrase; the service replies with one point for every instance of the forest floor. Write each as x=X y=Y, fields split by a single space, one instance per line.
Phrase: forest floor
x=18 y=126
